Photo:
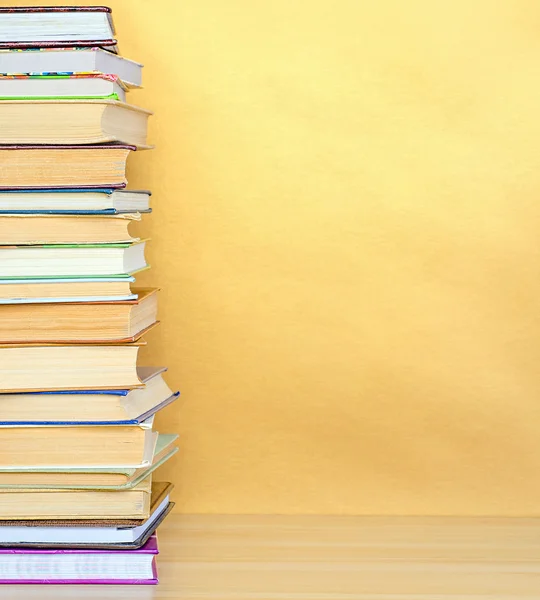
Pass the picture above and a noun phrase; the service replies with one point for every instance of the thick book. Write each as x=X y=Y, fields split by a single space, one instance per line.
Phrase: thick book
x=107 y=478
x=75 y=86
x=81 y=201
x=29 y=504
x=68 y=367
x=53 y=166
x=97 y=534
x=51 y=26
x=90 y=407
x=79 y=322
x=93 y=446
x=35 y=230
x=160 y=490
x=73 y=122
x=91 y=289
x=79 y=566
x=71 y=260
x=70 y=61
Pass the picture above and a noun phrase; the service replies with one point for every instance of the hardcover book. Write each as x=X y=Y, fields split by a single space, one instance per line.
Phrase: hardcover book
x=105 y=478
x=81 y=289
x=68 y=367
x=71 y=260
x=53 y=166
x=79 y=322
x=78 y=566
x=74 y=86
x=77 y=201
x=90 y=407
x=83 y=446
x=35 y=503
x=71 y=534
x=69 y=61
x=73 y=122
x=50 y=26
x=25 y=229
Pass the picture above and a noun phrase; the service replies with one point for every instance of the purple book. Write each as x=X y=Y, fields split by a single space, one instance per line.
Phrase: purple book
x=128 y=567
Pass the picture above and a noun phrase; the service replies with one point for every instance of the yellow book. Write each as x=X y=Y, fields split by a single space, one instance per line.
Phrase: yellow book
x=37 y=504
x=32 y=229
x=75 y=447
x=43 y=367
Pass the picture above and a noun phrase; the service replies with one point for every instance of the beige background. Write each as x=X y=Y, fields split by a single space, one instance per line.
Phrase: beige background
x=347 y=234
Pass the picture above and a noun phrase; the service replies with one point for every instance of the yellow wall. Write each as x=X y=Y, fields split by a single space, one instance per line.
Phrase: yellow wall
x=347 y=233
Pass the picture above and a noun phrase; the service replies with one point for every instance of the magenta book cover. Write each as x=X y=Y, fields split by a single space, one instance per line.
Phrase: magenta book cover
x=150 y=548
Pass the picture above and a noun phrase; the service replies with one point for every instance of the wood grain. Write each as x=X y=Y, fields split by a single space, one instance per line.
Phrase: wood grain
x=332 y=558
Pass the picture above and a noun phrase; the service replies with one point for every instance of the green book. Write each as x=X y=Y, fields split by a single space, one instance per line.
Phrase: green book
x=68 y=86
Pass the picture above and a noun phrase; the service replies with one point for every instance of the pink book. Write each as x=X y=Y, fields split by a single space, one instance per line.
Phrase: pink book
x=128 y=567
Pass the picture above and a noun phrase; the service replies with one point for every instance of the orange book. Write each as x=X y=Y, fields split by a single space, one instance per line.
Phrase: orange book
x=79 y=322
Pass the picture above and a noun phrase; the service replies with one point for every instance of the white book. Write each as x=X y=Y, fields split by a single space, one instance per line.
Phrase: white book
x=22 y=87
x=80 y=536
x=70 y=261
x=35 y=26
x=46 y=566
x=69 y=61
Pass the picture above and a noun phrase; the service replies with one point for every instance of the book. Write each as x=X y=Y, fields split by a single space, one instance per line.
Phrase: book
x=81 y=260
x=49 y=229
x=74 y=201
x=42 y=26
x=90 y=407
x=40 y=504
x=80 y=566
x=97 y=533
x=68 y=367
x=36 y=291
x=96 y=446
x=73 y=122
x=79 y=322
x=76 y=86
x=70 y=61
x=111 y=478
x=159 y=491
x=48 y=166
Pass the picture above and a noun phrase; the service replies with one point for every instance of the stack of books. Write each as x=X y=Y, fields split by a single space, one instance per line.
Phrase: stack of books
x=78 y=449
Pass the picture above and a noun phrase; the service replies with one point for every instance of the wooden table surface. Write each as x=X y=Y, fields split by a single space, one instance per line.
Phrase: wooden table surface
x=331 y=558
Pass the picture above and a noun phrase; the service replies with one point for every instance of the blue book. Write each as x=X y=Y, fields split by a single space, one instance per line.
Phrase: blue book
x=89 y=407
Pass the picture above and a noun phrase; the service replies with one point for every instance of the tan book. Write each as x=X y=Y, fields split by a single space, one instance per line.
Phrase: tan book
x=73 y=122
x=90 y=407
x=74 y=447
x=39 y=504
x=31 y=291
x=97 y=477
x=42 y=367
x=161 y=491
x=79 y=322
x=22 y=230
x=46 y=166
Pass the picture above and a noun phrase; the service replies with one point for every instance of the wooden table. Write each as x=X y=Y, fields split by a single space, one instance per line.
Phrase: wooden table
x=332 y=558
